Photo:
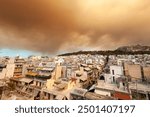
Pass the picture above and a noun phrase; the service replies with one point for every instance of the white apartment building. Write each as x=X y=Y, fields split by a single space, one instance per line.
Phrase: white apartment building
x=116 y=72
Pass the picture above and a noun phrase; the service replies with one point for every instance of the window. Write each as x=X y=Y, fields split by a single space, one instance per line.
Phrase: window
x=113 y=72
x=36 y=83
x=113 y=79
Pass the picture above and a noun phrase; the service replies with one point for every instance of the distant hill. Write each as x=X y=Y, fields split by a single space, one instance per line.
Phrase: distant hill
x=134 y=48
x=124 y=50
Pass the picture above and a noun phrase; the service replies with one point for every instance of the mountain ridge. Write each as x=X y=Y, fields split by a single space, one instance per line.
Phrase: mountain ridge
x=123 y=50
x=134 y=48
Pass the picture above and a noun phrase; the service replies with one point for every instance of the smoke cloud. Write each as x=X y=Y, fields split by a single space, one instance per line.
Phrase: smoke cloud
x=52 y=26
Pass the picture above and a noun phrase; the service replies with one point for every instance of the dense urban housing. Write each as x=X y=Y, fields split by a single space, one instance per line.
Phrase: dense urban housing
x=75 y=77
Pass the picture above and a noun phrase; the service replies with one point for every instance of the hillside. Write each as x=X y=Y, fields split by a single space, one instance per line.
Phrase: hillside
x=124 y=50
x=134 y=48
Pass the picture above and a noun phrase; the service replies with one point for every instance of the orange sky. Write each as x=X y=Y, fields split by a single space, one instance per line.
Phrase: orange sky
x=51 y=26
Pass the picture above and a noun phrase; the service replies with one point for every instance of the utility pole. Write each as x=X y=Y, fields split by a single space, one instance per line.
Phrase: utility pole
x=136 y=90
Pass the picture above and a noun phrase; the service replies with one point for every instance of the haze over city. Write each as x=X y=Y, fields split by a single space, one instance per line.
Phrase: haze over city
x=70 y=25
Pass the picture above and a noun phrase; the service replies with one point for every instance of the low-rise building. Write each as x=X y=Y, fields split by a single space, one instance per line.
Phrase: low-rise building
x=146 y=72
x=19 y=70
x=116 y=71
x=135 y=72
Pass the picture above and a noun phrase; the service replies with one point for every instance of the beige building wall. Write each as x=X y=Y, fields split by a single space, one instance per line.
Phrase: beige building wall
x=24 y=69
x=55 y=76
x=64 y=72
x=50 y=84
x=10 y=70
x=3 y=73
x=146 y=71
x=58 y=72
x=135 y=71
x=126 y=69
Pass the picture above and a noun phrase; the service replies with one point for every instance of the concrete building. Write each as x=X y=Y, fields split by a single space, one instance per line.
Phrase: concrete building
x=1 y=90
x=112 y=90
x=10 y=70
x=146 y=72
x=135 y=72
x=107 y=78
x=7 y=69
x=44 y=73
x=69 y=72
x=64 y=72
x=3 y=71
x=116 y=72
x=140 y=91
x=83 y=94
x=19 y=68
x=89 y=61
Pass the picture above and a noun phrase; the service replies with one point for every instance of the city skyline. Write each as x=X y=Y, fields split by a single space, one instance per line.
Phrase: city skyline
x=27 y=53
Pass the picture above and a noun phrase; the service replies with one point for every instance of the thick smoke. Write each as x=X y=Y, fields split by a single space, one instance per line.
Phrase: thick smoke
x=66 y=25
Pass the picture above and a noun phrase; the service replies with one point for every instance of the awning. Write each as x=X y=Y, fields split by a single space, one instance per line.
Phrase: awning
x=87 y=69
x=79 y=92
x=31 y=73
x=60 y=97
x=84 y=65
x=83 y=78
x=78 y=73
x=14 y=79
x=26 y=80
x=48 y=69
x=61 y=86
